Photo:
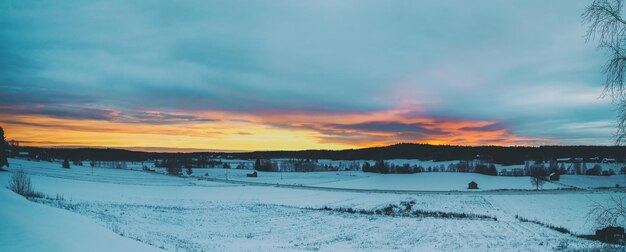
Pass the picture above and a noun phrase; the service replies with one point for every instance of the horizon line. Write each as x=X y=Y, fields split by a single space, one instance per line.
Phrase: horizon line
x=199 y=150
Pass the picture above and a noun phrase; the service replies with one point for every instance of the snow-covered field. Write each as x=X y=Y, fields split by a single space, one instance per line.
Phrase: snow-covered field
x=188 y=214
x=28 y=226
x=594 y=181
x=437 y=181
x=426 y=181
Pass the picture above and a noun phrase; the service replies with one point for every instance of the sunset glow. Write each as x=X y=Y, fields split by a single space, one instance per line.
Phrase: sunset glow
x=296 y=76
x=270 y=131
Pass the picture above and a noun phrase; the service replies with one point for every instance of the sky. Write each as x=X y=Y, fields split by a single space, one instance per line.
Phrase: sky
x=291 y=75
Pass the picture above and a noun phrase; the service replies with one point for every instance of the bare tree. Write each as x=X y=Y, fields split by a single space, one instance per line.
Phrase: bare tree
x=606 y=24
x=609 y=213
x=537 y=182
x=538 y=175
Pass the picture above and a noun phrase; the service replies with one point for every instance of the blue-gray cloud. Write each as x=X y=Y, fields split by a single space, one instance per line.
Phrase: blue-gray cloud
x=489 y=127
x=417 y=128
x=87 y=113
x=523 y=63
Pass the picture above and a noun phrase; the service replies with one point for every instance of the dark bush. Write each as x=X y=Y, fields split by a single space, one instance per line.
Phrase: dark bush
x=20 y=184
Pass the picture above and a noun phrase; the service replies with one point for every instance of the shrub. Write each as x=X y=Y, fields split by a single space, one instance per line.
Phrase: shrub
x=20 y=184
x=173 y=167
x=174 y=170
x=395 y=210
x=388 y=210
x=595 y=171
x=550 y=226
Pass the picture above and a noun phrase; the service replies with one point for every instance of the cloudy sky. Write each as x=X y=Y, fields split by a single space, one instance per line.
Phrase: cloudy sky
x=251 y=75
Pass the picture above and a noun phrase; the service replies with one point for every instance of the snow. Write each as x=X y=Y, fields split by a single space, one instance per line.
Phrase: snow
x=437 y=181
x=566 y=210
x=28 y=226
x=188 y=214
x=425 y=181
x=585 y=181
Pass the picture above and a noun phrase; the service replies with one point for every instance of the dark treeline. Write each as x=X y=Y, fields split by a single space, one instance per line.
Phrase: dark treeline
x=494 y=154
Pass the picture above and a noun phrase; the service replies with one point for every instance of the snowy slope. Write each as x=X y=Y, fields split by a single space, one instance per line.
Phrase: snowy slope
x=28 y=226
x=187 y=214
x=426 y=181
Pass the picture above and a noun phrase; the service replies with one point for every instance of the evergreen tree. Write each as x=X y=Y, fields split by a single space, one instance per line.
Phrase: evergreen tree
x=562 y=169
x=381 y=167
x=405 y=169
x=172 y=167
x=595 y=171
x=66 y=163
x=578 y=169
x=3 y=150
x=189 y=170
x=367 y=167
x=492 y=170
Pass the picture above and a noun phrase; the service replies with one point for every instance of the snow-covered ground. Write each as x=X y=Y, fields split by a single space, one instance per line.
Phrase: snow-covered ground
x=437 y=181
x=594 y=181
x=187 y=214
x=28 y=226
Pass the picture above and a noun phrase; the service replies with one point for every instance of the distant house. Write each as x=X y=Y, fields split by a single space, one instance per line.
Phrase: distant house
x=611 y=235
x=512 y=172
x=554 y=176
x=23 y=154
x=608 y=160
x=472 y=185
x=563 y=160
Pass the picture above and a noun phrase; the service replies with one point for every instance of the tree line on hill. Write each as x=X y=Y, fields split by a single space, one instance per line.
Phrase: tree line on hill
x=493 y=154
x=380 y=166
x=537 y=169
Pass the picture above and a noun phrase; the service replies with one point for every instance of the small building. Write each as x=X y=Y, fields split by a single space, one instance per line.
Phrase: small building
x=23 y=154
x=608 y=160
x=472 y=185
x=611 y=235
x=554 y=176
x=252 y=175
x=563 y=160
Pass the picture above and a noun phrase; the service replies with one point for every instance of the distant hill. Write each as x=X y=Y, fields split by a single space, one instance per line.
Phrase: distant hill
x=496 y=154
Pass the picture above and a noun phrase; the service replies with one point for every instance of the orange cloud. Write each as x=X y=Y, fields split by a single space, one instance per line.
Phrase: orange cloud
x=269 y=130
